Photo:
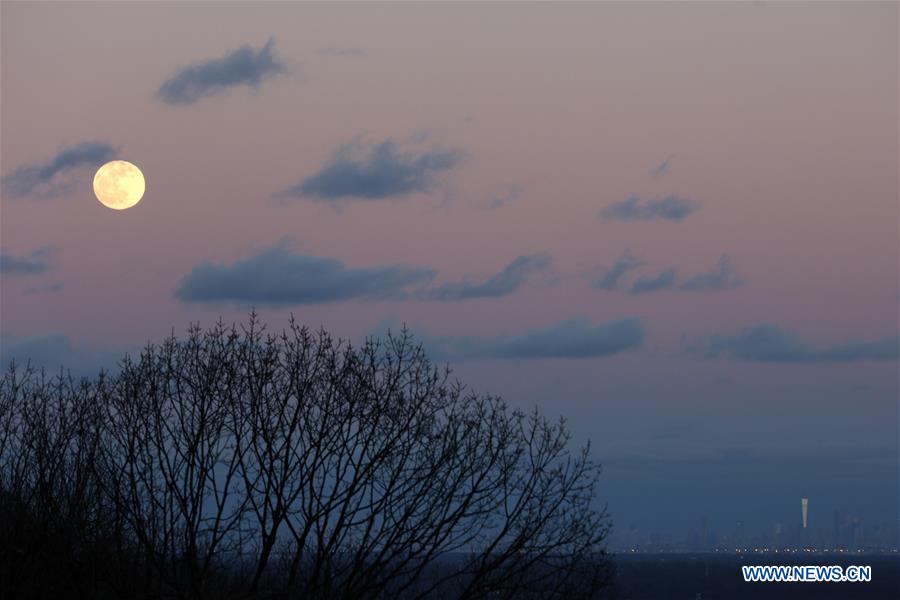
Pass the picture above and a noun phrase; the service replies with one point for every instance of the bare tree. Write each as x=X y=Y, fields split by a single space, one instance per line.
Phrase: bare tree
x=241 y=463
x=51 y=509
x=172 y=459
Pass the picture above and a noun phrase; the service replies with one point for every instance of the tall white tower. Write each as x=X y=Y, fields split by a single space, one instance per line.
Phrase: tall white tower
x=804 y=506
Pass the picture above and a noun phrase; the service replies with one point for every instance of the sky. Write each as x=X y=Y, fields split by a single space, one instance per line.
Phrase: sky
x=675 y=224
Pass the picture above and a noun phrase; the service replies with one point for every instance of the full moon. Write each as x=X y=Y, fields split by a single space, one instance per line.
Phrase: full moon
x=119 y=184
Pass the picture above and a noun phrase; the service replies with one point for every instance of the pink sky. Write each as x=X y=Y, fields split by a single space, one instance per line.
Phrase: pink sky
x=781 y=121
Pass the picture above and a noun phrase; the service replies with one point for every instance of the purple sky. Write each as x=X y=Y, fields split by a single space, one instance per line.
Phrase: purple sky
x=479 y=172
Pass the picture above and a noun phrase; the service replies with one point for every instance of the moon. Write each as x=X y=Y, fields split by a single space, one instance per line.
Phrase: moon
x=119 y=184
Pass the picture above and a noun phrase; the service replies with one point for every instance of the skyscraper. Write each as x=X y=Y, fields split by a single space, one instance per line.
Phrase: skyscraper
x=804 y=505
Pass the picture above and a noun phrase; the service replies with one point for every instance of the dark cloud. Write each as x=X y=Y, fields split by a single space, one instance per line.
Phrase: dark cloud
x=34 y=263
x=503 y=283
x=381 y=171
x=572 y=338
x=769 y=343
x=278 y=276
x=663 y=168
x=44 y=179
x=663 y=281
x=244 y=66
x=612 y=277
x=723 y=278
x=54 y=351
x=671 y=208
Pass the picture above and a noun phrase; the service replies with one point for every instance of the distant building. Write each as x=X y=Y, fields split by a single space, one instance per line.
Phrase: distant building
x=839 y=532
x=804 y=507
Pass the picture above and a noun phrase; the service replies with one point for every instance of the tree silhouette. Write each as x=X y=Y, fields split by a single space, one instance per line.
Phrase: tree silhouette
x=240 y=463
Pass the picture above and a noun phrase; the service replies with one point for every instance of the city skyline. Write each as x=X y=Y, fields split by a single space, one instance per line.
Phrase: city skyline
x=845 y=532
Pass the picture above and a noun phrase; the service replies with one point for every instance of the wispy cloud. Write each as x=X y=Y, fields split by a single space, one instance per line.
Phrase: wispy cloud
x=665 y=280
x=572 y=338
x=503 y=283
x=663 y=168
x=613 y=276
x=278 y=276
x=48 y=179
x=509 y=195
x=50 y=288
x=722 y=278
x=770 y=343
x=245 y=66
x=33 y=263
x=53 y=351
x=374 y=172
x=670 y=208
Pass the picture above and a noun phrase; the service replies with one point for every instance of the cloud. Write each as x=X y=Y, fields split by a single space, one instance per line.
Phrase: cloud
x=572 y=338
x=723 y=278
x=244 y=66
x=663 y=281
x=511 y=194
x=503 y=283
x=50 y=288
x=278 y=276
x=377 y=172
x=663 y=168
x=770 y=343
x=611 y=278
x=54 y=350
x=670 y=208
x=44 y=179
x=34 y=263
